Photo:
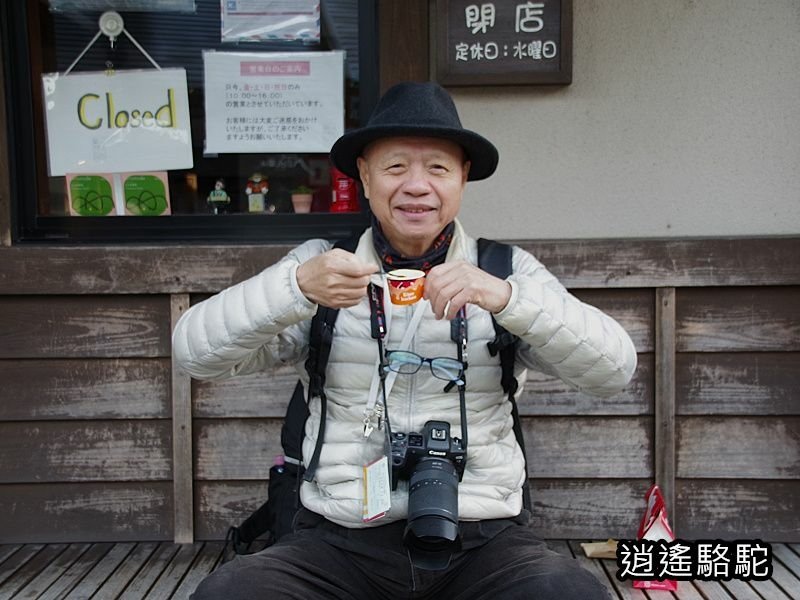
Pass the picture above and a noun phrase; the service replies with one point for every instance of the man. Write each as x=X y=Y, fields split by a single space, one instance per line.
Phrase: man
x=413 y=159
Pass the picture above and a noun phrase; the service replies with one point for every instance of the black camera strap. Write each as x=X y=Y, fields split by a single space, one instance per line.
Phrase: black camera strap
x=378 y=322
x=458 y=333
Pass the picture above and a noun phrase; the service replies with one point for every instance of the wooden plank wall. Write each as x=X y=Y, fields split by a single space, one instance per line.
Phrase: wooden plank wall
x=737 y=428
x=590 y=457
x=85 y=433
x=100 y=439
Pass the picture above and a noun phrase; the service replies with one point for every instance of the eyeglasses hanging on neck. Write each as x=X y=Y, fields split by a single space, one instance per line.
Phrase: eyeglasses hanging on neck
x=408 y=363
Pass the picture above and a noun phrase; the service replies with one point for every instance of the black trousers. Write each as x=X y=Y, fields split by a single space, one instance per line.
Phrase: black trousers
x=322 y=560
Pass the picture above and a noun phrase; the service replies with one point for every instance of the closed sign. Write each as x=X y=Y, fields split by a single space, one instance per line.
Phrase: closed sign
x=122 y=122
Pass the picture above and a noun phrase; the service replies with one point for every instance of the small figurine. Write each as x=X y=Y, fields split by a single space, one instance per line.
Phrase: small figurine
x=218 y=196
x=256 y=190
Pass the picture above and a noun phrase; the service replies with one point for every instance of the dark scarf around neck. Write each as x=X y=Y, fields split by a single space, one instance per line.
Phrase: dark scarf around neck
x=392 y=259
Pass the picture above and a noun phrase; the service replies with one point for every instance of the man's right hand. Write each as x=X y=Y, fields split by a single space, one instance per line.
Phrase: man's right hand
x=337 y=279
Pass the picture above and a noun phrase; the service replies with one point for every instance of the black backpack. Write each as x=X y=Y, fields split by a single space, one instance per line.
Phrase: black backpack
x=274 y=518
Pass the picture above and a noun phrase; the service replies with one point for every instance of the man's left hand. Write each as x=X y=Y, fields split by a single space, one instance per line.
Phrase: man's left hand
x=451 y=285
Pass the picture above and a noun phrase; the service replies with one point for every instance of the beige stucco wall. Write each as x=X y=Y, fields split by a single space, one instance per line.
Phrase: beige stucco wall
x=683 y=119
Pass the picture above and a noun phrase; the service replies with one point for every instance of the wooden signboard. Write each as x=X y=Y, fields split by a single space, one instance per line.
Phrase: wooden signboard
x=505 y=42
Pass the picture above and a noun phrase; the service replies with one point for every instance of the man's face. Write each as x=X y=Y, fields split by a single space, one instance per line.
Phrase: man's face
x=414 y=186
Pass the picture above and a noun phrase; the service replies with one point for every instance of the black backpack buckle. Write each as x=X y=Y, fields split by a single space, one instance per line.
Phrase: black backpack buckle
x=500 y=342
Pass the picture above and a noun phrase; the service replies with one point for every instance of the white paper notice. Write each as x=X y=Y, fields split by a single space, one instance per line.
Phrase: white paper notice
x=261 y=102
x=277 y=20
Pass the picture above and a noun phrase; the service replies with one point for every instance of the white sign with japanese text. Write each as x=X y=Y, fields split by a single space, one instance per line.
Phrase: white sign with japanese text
x=119 y=122
x=270 y=20
x=273 y=101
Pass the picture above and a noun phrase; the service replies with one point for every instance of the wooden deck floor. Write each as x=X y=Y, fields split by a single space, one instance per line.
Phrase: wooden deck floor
x=156 y=571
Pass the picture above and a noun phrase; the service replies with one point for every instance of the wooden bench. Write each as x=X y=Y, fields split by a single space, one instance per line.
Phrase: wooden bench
x=160 y=571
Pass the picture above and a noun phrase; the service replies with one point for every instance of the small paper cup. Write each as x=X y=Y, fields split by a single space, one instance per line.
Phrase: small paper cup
x=405 y=285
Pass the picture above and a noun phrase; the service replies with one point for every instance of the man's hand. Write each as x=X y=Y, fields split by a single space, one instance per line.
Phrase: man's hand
x=450 y=286
x=337 y=279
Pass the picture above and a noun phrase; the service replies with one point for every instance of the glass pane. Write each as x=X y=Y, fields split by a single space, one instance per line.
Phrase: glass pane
x=218 y=184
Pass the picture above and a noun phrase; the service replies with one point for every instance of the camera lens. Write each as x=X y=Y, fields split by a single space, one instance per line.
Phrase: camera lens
x=432 y=533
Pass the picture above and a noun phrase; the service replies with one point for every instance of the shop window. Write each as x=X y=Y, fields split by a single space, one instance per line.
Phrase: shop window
x=255 y=141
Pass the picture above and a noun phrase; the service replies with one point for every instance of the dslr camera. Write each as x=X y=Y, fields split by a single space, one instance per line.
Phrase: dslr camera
x=433 y=463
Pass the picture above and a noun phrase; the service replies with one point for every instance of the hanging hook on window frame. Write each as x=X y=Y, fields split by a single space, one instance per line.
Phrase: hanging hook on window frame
x=111 y=25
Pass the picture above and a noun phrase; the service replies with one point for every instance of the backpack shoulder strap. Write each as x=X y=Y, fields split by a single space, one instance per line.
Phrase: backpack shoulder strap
x=496 y=258
x=319 y=351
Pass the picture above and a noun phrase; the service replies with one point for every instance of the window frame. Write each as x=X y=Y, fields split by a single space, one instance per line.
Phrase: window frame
x=25 y=171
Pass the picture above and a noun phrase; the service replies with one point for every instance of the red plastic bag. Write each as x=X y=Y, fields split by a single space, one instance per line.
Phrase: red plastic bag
x=655 y=526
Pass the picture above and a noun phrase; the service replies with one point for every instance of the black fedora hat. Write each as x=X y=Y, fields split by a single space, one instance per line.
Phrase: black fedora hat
x=419 y=110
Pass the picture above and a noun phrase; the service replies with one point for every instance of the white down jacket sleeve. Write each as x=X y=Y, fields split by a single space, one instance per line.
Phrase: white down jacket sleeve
x=256 y=324
x=563 y=336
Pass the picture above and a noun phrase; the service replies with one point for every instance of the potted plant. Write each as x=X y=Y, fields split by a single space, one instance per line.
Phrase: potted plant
x=301 y=199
